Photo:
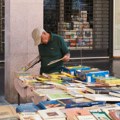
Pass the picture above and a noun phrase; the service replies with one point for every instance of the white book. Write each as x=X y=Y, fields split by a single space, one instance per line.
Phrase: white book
x=43 y=92
x=115 y=93
x=52 y=114
x=86 y=117
x=101 y=97
x=75 y=93
x=29 y=116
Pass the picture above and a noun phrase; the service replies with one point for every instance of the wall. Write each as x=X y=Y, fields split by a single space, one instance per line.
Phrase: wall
x=21 y=16
x=116 y=39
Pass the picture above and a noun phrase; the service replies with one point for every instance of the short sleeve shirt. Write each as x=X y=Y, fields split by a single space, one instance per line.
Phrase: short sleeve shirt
x=55 y=49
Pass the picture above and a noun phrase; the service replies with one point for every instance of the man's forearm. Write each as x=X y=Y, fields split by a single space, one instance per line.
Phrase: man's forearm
x=66 y=57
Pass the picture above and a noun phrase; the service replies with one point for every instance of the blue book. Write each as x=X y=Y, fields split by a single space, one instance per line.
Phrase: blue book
x=51 y=104
x=85 y=104
x=30 y=107
x=118 y=104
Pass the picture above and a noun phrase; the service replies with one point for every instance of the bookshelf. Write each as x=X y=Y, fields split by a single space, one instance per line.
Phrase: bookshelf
x=77 y=33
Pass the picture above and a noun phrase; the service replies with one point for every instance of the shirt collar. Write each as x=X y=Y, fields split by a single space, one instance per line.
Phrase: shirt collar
x=51 y=36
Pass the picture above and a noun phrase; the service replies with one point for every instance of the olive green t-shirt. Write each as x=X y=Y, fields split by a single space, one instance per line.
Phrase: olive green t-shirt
x=55 y=49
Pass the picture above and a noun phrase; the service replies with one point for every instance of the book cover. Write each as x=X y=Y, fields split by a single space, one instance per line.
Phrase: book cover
x=102 y=97
x=115 y=93
x=51 y=104
x=107 y=109
x=115 y=114
x=99 y=89
x=75 y=93
x=52 y=114
x=84 y=114
x=44 y=92
x=29 y=107
x=101 y=116
x=29 y=116
x=71 y=113
x=91 y=76
x=66 y=101
x=85 y=104
x=57 y=96
x=78 y=114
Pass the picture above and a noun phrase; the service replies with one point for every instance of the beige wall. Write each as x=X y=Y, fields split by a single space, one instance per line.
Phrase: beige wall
x=116 y=40
x=21 y=16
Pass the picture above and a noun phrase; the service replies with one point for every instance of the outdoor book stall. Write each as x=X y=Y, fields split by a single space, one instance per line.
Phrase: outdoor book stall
x=77 y=93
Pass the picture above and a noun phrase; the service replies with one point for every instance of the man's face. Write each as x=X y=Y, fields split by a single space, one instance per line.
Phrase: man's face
x=45 y=38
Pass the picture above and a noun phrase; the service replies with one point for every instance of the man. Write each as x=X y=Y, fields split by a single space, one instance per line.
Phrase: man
x=51 y=47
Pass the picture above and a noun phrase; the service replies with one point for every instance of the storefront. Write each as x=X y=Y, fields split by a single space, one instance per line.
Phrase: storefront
x=90 y=20
x=86 y=25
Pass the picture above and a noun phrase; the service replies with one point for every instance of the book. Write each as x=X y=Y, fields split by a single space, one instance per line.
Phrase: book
x=52 y=114
x=51 y=104
x=100 y=89
x=66 y=101
x=57 y=96
x=115 y=93
x=78 y=100
x=110 y=108
x=115 y=114
x=41 y=85
x=44 y=92
x=75 y=93
x=71 y=113
x=85 y=104
x=113 y=81
x=102 y=97
x=101 y=116
x=29 y=116
x=29 y=107
x=91 y=76
x=85 y=114
x=78 y=114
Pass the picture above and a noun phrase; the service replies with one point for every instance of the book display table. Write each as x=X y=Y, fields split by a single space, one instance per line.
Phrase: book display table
x=65 y=92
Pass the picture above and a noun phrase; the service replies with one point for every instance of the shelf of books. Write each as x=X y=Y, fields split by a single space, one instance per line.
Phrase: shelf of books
x=77 y=33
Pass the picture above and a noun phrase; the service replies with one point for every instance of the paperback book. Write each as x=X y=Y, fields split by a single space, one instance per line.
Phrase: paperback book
x=101 y=116
x=115 y=114
x=29 y=107
x=29 y=116
x=52 y=114
x=102 y=97
x=57 y=96
x=78 y=114
x=51 y=104
x=101 y=90
x=115 y=93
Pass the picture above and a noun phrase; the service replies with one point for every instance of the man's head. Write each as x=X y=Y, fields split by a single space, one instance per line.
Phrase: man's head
x=39 y=35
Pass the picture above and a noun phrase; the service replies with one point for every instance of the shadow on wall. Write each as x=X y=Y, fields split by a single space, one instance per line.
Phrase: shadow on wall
x=2 y=79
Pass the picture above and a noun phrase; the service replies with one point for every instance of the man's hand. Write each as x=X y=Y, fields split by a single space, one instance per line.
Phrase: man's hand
x=66 y=58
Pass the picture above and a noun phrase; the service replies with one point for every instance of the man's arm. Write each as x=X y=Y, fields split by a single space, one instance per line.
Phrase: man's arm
x=32 y=63
x=66 y=57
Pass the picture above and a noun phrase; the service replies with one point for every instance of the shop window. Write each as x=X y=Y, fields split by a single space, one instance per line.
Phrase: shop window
x=84 y=24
